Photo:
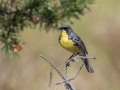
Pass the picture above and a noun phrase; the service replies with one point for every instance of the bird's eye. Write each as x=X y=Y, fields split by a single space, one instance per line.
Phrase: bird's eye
x=66 y=28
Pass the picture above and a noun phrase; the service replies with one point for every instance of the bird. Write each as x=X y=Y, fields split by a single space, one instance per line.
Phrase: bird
x=70 y=41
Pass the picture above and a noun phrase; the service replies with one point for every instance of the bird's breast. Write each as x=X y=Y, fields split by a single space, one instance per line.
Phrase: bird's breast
x=68 y=44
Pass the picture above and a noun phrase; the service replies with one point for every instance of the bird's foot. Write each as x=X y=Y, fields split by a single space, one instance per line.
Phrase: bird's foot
x=75 y=59
x=67 y=63
x=70 y=59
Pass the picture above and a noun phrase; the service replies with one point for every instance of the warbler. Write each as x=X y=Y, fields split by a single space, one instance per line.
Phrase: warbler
x=69 y=40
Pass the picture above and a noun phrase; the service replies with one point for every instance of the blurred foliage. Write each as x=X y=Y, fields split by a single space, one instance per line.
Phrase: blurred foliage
x=100 y=30
x=17 y=14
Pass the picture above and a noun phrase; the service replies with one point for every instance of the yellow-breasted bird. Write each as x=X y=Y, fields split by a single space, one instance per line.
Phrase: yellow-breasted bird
x=69 y=40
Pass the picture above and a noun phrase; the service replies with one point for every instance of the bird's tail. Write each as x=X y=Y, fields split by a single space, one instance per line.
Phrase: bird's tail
x=87 y=64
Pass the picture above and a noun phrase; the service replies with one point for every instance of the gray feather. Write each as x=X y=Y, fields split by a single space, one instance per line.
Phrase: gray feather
x=77 y=40
x=87 y=63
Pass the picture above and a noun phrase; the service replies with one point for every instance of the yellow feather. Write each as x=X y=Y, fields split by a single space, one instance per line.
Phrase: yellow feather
x=67 y=43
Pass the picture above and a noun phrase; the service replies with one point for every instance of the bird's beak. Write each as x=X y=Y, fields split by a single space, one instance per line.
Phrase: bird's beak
x=60 y=28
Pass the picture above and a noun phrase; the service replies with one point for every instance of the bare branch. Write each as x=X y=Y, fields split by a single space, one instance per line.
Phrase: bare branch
x=84 y=57
x=76 y=74
x=68 y=80
x=75 y=59
x=65 y=71
x=50 y=77
x=53 y=66
x=56 y=87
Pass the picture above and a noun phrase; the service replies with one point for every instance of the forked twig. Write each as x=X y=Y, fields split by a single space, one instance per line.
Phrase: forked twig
x=68 y=85
x=76 y=74
x=66 y=81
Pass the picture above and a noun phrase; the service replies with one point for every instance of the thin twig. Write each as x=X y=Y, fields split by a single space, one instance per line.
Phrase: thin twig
x=67 y=64
x=65 y=71
x=50 y=77
x=75 y=58
x=68 y=80
x=76 y=74
x=84 y=57
x=53 y=66
x=56 y=87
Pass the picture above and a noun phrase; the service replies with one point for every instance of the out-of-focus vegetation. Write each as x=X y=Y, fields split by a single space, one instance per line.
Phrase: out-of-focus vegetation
x=15 y=15
x=99 y=29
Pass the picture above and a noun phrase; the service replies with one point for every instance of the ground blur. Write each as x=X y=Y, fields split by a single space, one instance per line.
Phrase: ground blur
x=100 y=31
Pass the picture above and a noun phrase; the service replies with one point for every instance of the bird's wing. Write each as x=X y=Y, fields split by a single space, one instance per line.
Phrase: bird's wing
x=77 y=40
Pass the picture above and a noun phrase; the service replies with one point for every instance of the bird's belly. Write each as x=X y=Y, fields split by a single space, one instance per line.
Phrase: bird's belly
x=69 y=45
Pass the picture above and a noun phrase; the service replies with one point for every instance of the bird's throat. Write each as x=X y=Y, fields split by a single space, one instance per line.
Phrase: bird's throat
x=64 y=34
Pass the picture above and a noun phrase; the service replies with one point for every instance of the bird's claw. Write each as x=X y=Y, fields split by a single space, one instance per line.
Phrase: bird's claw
x=67 y=63
x=72 y=59
x=75 y=59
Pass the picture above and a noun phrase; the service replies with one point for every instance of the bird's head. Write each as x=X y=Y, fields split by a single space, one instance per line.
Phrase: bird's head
x=66 y=28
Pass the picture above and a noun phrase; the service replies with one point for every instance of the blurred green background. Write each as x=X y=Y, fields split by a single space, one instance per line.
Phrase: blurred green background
x=99 y=29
